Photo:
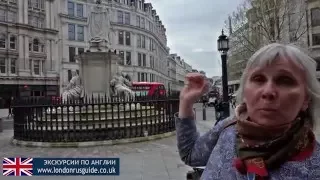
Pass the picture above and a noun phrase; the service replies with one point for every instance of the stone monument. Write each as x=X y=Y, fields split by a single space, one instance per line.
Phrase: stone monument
x=74 y=90
x=97 y=70
x=120 y=86
x=99 y=28
x=99 y=64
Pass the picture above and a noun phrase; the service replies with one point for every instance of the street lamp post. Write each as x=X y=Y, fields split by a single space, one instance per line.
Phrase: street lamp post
x=223 y=47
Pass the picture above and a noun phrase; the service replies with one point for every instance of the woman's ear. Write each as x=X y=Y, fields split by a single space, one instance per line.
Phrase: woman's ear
x=306 y=103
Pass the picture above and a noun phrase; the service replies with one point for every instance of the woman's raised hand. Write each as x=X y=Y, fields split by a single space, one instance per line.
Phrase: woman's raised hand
x=196 y=86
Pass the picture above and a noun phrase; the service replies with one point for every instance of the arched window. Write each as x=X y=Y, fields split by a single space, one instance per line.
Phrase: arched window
x=2 y=41
x=36 y=45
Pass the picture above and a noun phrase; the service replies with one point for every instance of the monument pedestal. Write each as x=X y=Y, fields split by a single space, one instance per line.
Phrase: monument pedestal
x=99 y=46
x=96 y=71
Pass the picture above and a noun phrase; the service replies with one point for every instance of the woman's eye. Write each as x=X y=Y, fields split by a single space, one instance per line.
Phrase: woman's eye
x=285 y=80
x=258 y=78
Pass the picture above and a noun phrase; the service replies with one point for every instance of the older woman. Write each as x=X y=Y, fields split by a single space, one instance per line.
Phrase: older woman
x=271 y=135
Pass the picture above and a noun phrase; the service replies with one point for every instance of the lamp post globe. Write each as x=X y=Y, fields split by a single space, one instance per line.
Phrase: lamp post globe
x=223 y=43
x=223 y=47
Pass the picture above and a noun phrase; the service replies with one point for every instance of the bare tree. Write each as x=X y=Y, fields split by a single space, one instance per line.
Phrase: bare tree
x=259 y=22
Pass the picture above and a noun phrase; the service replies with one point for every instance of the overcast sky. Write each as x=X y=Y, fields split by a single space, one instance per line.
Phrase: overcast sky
x=193 y=27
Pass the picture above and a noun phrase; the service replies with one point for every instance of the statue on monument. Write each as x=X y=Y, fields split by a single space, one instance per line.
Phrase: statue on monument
x=120 y=85
x=99 y=26
x=74 y=90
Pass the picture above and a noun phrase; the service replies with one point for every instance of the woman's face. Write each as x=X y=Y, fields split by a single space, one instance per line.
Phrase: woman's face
x=275 y=94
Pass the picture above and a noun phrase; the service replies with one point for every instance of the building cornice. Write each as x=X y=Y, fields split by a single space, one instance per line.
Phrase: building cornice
x=29 y=27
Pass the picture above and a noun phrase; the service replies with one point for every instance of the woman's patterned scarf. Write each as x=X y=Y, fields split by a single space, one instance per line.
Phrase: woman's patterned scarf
x=260 y=149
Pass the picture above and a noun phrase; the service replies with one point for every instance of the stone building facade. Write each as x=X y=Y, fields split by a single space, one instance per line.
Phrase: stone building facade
x=28 y=49
x=138 y=36
x=40 y=39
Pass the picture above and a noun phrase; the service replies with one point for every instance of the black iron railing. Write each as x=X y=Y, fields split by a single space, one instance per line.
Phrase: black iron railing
x=92 y=119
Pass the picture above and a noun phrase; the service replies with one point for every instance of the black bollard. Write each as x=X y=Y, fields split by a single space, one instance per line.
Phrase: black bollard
x=204 y=113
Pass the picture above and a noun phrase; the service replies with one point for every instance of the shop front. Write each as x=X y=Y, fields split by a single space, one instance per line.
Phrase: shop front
x=14 y=90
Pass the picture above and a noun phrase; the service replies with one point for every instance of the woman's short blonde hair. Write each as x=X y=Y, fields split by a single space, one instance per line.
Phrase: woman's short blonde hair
x=271 y=52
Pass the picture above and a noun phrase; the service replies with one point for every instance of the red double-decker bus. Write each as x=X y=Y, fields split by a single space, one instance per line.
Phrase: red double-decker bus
x=149 y=89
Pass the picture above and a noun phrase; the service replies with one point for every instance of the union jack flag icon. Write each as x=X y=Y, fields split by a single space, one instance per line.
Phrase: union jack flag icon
x=17 y=166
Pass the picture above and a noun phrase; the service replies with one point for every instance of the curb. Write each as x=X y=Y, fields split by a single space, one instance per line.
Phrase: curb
x=90 y=143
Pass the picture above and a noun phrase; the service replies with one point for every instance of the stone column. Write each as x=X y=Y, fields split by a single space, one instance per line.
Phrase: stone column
x=26 y=50
x=49 y=55
x=21 y=10
x=48 y=14
x=21 y=49
x=25 y=11
x=53 y=11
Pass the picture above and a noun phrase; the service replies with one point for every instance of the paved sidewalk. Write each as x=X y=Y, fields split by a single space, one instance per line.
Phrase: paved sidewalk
x=4 y=113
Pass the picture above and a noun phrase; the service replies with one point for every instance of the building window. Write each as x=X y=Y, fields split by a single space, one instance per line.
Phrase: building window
x=2 y=65
x=139 y=59
x=315 y=39
x=128 y=39
x=143 y=38
x=120 y=38
x=139 y=40
x=127 y=18
x=70 y=8
x=142 y=23
x=69 y=75
x=13 y=66
x=146 y=77
x=71 y=32
x=80 y=51
x=128 y=58
x=144 y=60
x=12 y=16
x=120 y=17
x=13 y=41
x=36 y=21
x=37 y=4
x=80 y=33
x=121 y=53
x=2 y=41
x=80 y=10
x=36 y=45
x=36 y=67
x=139 y=74
x=315 y=17
x=2 y=15
x=72 y=53
x=42 y=48
x=138 y=21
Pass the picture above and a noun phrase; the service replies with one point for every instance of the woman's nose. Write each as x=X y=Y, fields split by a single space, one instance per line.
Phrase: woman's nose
x=269 y=91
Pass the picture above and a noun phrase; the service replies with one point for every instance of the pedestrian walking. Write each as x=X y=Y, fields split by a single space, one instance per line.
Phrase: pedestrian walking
x=10 y=113
x=271 y=135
